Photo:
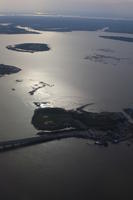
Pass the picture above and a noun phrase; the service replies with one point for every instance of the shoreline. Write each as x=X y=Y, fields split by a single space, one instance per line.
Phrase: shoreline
x=49 y=137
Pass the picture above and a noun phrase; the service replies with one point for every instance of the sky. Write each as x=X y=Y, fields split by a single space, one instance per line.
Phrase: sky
x=98 y=8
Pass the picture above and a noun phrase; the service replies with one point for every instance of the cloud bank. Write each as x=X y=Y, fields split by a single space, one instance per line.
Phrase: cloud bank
x=82 y=7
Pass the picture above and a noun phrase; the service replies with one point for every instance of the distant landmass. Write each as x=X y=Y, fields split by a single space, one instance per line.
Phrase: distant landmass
x=120 y=38
x=11 y=29
x=62 y=24
x=29 y=47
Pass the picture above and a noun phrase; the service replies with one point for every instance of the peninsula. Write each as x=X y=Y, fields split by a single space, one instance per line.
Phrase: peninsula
x=120 y=38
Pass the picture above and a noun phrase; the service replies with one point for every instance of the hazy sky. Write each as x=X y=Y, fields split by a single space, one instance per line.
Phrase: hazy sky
x=120 y=8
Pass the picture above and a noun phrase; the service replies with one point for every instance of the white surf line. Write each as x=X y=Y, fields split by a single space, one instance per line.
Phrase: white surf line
x=128 y=117
x=103 y=29
x=28 y=29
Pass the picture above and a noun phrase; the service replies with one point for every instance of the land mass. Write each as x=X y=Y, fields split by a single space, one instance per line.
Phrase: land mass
x=101 y=127
x=58 y=123
x=29 y=47
x=9 y=24
x=12 y=29
x=120 y=38
x=38 y=87
x=7 y=70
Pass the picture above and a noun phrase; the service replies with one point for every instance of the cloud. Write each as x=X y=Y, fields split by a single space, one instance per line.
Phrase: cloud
x=91 y=7
x=18 y=5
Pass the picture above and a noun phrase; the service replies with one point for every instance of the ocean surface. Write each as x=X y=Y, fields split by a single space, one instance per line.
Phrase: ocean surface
x=83 y=68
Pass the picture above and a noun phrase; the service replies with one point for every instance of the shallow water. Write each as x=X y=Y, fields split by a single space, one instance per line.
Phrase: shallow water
x=68 y=169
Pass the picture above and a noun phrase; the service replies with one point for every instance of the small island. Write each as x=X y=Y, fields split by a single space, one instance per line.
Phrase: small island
x=29 y=47
x=7 y=70
x=120 y=38
x=39 y=86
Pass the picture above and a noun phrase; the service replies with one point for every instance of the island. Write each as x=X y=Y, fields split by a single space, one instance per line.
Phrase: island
x=120 y=38
x=39 y=86
x=55 y=123
x=7 y=70
x=102 y=127
x=29 y=47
